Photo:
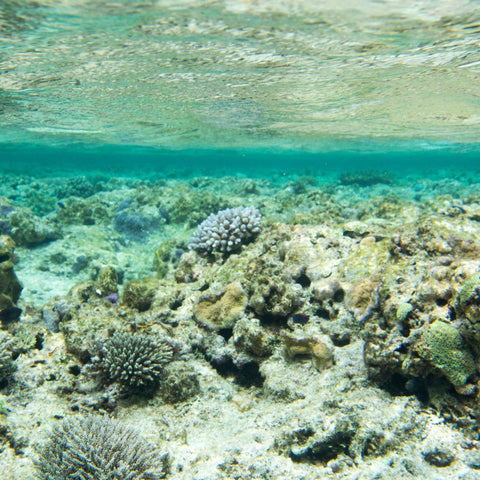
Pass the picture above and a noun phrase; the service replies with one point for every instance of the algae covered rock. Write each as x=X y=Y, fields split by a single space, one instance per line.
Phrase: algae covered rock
x=84 y=318
x=108 y=281
x=139 y=294
x=468 y=306
x=8 y=351
x=190 y=267
x=10 y=286
x=24 y=226
x=301 y=345
x=7 y=365
x=273 y=291
x=251 y=338
x=218 y=310
x=164 y=257
x=190 y=206
x=179 y=383
x=444 y=348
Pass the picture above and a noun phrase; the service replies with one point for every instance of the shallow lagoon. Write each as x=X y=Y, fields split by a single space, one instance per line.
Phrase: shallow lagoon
x=342 y=340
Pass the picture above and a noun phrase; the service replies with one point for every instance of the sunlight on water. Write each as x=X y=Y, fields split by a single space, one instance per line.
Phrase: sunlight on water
x=289 y=74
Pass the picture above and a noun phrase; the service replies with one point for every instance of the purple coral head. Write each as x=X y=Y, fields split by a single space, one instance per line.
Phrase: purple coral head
x=113 y=298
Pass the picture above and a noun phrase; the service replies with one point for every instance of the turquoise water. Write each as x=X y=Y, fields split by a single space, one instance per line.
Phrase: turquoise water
x=42 y=161
x=352 y=126
x=294 y=76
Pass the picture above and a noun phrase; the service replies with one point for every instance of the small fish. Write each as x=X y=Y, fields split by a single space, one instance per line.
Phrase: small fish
x=61 y=204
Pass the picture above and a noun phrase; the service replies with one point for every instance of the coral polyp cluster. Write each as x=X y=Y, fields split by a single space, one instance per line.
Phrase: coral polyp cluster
x=226 y=230
x=133 y=360
x=94 y=448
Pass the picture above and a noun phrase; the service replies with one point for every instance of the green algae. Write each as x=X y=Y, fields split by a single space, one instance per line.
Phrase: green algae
x=443 y=346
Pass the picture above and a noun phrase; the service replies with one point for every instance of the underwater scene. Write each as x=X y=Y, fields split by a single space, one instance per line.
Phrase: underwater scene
x=239 y=239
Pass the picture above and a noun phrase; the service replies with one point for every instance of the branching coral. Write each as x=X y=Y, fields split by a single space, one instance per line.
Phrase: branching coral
x=226 y=230
x=94 y=448
x=133 y=360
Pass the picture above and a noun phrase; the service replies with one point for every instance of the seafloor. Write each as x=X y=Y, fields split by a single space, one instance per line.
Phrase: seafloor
x=341 y=342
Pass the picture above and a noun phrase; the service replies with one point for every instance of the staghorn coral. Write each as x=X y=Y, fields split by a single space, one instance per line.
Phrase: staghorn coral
x=94 y=448
x=226 y=230
x=134 y=361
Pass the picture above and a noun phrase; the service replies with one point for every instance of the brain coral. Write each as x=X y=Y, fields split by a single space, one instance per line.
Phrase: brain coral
x=226 y=230
x=94 y=448
x=443 y=346
x=133 y=360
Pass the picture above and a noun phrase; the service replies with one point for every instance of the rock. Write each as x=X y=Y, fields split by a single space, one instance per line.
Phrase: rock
x=139 y=294
x=10 y=286
x=299 y=345
x=438 y=457
x=249 y=337
x=222 y=309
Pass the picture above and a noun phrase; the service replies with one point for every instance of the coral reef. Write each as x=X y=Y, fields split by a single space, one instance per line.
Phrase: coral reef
x=23 y=226
x=443 y=346
x=7 y=366
x=96 y=447
x=10 y=286
x=226 y=230
x=365 y=178
x=342 y=342
x=135 y=361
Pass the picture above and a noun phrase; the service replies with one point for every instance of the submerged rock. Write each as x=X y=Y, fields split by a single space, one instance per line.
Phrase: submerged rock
x=219 y=310
x=139 y=294
x=25 y=228
x=10 y=286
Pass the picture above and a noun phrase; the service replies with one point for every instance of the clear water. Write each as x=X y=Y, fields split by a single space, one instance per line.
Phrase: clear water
x=301 y=75
x=142 y=101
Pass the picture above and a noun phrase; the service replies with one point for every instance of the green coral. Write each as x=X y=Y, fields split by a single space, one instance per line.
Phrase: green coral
x=468 y=298
x=444 y=348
